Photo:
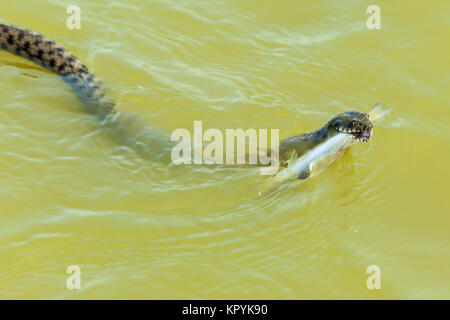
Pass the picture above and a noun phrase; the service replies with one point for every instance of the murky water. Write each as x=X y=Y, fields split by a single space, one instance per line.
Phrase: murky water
x=70 y=194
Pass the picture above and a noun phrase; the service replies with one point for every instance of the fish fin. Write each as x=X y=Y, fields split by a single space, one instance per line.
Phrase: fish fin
x=376 y=112
x=376 y=106
x=292 y=158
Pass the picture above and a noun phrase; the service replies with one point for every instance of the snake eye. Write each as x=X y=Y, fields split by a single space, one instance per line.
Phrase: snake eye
x=354 y=123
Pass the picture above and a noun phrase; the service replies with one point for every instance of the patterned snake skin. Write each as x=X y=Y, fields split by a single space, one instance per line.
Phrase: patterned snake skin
x=52 y=56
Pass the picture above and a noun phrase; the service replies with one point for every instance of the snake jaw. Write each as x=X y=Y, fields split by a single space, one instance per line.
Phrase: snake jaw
x=360 y=135
x=364 y=136
x=356 y=123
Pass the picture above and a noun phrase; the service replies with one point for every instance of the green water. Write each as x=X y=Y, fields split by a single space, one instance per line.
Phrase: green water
x=139 y=228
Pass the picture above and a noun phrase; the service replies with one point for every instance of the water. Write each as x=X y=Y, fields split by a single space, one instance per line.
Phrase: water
x=141 y=228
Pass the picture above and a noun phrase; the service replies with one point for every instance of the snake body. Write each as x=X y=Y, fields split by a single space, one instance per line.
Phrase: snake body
x=50 y=55
x=123 y=127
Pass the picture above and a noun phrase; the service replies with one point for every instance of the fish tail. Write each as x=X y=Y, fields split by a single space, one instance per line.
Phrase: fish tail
x=52 y=56
x=377 y=112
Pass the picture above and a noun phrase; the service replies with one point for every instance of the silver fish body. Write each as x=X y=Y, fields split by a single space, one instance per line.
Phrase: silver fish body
x=319 y=158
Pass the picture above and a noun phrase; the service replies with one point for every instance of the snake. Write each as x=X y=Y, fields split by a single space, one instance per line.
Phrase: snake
x=52 y=56
x=89 y=88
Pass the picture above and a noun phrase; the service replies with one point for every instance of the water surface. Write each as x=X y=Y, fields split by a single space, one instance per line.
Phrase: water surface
x=139 y=228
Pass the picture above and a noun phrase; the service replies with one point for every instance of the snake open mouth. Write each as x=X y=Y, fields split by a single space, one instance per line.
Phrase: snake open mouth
x=361 y=135
x=356 y=123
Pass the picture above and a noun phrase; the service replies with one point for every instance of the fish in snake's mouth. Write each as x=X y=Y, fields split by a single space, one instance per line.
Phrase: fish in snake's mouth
x=355 y=123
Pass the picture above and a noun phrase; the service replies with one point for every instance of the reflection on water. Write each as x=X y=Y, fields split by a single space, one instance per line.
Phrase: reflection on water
x=76 y=192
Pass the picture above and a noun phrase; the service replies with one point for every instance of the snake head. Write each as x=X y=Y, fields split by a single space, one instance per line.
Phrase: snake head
x=355 y=123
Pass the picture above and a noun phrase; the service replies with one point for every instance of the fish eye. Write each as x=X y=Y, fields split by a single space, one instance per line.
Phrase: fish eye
x=354 y=123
